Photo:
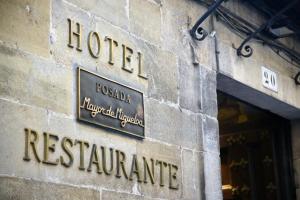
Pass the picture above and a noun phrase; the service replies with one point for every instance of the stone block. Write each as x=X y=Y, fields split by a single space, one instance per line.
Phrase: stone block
x=141 y=11
x=227 y=55
x=61 y=52
x=193 y=175
x=35 y=81
x=24 y=189
x=162 y=74
x=210 y=134
x=177 y=22
x=111 y=195
x=162 y=152
x=202 y=53
x=190 y=87
x=25 y=24
x=169 y=124
x=212 y=176
x=176 y=36
x=114 y=11
x=209 y=92
x=205 y=52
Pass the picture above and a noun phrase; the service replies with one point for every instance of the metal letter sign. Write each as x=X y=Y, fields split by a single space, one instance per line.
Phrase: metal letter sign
x=110 y=104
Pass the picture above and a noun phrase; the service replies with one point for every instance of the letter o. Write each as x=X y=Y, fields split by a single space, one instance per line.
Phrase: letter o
x=91 y=34
x=104 y=89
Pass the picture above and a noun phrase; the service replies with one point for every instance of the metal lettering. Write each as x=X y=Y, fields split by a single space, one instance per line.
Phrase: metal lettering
x=114 y=162
x=141 y=73
x=127 y=58
x=82 y=144
x=64 y=144
x=147 y=169
x=76 y=34
x=94 y=159
x=161 y=164
x=49 y=146
x=94 y=45
x=106 y=171
x=173 y=177
x=32 y=143
x=121 y=157
x=112 y=45
x=96 y=35
x=135 y=169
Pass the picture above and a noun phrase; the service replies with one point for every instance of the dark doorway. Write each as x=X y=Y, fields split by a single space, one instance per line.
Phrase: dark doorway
x=255 y=152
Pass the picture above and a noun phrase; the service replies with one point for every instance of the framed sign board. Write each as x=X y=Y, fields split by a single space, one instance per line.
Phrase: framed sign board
x=110 y=104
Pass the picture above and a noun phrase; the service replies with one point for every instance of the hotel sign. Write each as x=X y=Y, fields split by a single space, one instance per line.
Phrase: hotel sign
x=110 y=104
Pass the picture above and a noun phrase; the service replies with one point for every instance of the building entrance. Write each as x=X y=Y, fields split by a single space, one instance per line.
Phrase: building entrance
x=255 y=152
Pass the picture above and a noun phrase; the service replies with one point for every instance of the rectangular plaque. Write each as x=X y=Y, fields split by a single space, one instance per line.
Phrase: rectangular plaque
x=110 y=104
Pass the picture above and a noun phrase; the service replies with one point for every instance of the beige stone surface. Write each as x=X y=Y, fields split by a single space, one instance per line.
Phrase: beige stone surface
x=212 y=176
x=25 y=189
x=157 y=62
x=248 y=70
x=35 y=81
x=163 y=81
x=210 y=135
x=193 y=175
x=170 y=125
x=114 y=11
x=176 y=21
x=164 y=153
x=175 y=32
x=40 y=93
x=12 y=151
x=189 y=88
x=25 y=24
x=111 y=195
x=70 y=57
x=145 y=20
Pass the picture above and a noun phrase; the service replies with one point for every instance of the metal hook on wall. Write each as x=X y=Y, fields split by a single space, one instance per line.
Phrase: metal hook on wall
x=199 y=33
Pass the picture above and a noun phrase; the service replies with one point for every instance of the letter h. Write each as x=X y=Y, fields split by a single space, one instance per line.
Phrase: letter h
x=77 y=34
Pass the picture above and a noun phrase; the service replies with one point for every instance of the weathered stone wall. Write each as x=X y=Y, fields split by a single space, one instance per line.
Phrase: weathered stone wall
x=248 y=70
x=38 y=91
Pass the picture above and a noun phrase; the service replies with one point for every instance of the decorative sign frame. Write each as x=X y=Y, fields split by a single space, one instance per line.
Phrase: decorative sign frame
x=109 y=104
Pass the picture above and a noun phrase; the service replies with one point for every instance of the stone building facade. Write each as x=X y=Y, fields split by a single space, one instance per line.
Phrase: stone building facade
x=40 y=53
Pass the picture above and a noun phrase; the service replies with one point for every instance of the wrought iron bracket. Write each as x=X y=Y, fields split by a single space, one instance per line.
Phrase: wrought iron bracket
x=199 y=33
x=246 y=50
x=297 y=79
